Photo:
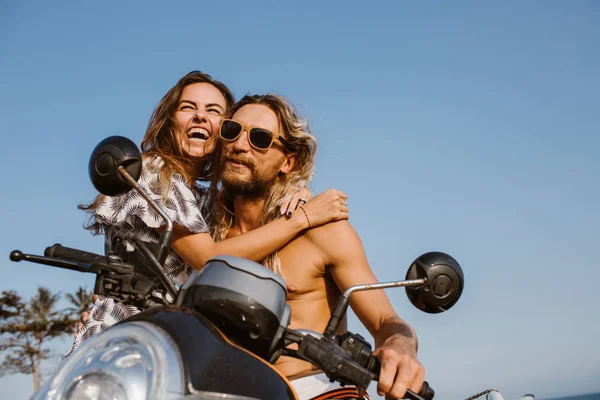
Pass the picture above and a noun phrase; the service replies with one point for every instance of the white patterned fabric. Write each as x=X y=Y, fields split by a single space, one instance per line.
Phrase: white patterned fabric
x=131 y=212
x=319 y=387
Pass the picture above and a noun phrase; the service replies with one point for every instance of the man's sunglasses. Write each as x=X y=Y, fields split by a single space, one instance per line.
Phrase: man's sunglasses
x=259 y=138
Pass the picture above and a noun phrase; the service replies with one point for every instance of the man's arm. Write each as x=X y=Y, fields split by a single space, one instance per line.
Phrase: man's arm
x=395 y=341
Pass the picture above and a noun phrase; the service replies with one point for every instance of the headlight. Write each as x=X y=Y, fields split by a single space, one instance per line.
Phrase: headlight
x=98 y=387
x=130 y=361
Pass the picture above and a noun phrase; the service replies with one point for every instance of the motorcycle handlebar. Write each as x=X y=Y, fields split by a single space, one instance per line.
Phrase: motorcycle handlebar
x=342 y=366
x=67 y=253
x=426 y=392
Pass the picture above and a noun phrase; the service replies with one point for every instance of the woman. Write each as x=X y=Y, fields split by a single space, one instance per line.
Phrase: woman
x=181 y=134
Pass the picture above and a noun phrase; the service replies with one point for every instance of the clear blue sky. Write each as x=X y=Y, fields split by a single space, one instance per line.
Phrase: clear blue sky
x=467 y=127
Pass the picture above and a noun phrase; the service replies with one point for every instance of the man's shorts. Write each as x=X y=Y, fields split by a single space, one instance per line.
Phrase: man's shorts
x=318 y=387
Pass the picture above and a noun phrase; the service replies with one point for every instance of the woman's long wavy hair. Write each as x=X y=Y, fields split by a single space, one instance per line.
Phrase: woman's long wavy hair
x=161 y=140
x=301 y=144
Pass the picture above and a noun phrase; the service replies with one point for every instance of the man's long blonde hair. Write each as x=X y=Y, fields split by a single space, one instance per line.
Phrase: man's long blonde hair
x=300 y=143
x=161 y=140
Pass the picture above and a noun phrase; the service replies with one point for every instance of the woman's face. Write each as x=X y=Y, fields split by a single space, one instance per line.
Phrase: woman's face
x=198 y=117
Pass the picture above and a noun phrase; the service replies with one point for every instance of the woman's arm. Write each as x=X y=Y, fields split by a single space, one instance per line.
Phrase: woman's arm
x=197 y=248
x=258 y=244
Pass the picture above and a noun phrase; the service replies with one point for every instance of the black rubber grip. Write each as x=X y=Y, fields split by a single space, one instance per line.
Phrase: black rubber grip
x=67 y=253
x=426 y=391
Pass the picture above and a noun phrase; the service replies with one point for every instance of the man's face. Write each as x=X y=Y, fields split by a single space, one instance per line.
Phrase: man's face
x=247 y=170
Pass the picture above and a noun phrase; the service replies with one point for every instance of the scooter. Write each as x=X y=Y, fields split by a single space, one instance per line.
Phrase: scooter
x=219 y=334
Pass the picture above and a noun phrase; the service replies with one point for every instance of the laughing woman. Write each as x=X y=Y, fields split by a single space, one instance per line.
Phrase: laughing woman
x=181 y=134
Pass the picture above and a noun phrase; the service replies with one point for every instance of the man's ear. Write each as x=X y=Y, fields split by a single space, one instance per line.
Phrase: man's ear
x=288 y=164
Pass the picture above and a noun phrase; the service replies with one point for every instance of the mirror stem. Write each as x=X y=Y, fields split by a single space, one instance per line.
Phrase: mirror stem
x=342 y=304
x=164 y=242
x=336 y=316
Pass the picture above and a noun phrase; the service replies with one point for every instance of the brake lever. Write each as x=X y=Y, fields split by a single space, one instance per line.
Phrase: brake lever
x=330 y=358
x=426 y=392
x=92 y=268
x=412 y=395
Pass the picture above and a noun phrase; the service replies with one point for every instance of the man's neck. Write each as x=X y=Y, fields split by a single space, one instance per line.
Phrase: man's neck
x=248 y=213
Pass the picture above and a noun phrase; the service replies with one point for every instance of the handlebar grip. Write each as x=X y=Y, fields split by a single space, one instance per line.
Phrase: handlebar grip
x=426 y=391
x=67 y=253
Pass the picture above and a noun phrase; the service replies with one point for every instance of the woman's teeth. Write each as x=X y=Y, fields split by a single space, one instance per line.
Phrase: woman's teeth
x=198 y=134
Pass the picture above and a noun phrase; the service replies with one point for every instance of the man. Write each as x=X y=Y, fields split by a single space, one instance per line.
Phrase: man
x=266 y=148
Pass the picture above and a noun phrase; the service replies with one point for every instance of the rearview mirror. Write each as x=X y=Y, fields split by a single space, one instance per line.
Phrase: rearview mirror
x=443 y=286
x=106 y=159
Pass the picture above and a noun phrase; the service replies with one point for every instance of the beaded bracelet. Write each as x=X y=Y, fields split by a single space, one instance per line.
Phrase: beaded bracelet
x=306 y=215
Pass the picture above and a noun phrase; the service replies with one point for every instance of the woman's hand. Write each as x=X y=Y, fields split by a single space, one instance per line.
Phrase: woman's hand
x=325 y=207
x=82 y=320
x=299 y=198
x=84 y=317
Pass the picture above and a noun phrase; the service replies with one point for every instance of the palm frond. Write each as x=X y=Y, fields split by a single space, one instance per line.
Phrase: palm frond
x=198 y=225
x=100 y=310
x=120 y=312
x=175 y=266
x=181 y=199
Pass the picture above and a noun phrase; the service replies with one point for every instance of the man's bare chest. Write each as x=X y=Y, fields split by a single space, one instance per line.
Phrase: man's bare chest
x=303 y=268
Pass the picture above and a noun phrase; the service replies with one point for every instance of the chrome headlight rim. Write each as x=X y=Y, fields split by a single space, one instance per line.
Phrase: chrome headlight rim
x=156 y=367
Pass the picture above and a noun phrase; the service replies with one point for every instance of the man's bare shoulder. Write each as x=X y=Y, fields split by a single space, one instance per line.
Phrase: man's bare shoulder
x=337 y=230
x=334 y=238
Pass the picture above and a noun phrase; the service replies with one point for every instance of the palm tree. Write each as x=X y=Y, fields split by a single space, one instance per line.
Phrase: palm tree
x=80 y=301
x=25 y=327
x=47 y=322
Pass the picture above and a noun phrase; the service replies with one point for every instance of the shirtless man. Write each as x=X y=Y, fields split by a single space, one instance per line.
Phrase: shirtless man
x=266 y=148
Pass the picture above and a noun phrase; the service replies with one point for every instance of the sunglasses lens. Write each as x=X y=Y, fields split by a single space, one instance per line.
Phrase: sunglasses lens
x=261 y=138
x=230 y=130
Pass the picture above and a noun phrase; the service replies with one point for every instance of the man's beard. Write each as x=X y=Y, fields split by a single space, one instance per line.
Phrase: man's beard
x=257 y=185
